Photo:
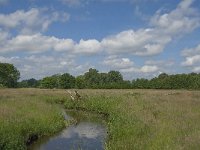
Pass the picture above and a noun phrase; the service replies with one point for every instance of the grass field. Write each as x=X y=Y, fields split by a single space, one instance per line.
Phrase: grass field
x=24 y=116
x=137 y=119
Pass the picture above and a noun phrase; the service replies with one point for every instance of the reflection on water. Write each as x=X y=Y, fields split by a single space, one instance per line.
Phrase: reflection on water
x=88 y=134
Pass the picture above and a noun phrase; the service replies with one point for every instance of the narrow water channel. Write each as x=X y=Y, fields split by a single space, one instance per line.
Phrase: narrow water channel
x=88 y=133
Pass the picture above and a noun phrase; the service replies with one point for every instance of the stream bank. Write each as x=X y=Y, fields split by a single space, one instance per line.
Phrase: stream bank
x=87 y=132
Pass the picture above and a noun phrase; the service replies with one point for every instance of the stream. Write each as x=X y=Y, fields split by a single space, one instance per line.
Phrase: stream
x=88 y=133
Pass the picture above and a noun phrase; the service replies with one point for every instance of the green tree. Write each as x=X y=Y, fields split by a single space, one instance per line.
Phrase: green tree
x=114 y=77
x=28 y=83
x=9 y=75
x=50 y=82
x=23 y=84
x=140 y=83
x=103 y=80
x=92 y=78
x=163 y=76
x=67 y=81
x=80 y=82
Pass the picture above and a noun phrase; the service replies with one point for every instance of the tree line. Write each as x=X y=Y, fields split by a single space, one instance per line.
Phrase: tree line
x=93 y=79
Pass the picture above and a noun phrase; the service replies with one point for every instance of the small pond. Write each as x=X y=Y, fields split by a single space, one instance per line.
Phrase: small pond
x=88 y=133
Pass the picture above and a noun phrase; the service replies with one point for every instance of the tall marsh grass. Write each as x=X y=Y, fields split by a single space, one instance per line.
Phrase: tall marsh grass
x=25 y=117
x=136 y=119
x=147 y=119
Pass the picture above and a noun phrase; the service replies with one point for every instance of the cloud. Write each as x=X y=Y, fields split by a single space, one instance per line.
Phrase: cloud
x=143 y=69
x=39 y=66
x=184 y=19
x=128 y=68
x=190 y=61
x=9 y=59
x=151 y=41
x=141 y=42
x=72 y=2
x=149 y=69
x=31 y=21
x=166 y=66
x=196 y=69
x=192 y=58
x=140 y=14
x=30 y=39
x=125 y=65
x=137 y=43
x=191 y=51
x=130 y=1
x=3 y=36
x=77 y=3
x=118 y=63
x=90 y=46
x=38 y=43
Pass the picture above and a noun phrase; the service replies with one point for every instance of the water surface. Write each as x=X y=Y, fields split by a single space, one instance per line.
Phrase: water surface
x=88 y=133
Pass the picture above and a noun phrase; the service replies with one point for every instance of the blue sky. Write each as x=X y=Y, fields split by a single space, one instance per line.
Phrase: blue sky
x=139 y=38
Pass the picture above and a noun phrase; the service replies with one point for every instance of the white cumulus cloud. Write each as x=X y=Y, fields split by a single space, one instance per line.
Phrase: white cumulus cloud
x=90 y=46
x=183 y=19
x=39 y=66
x=118 y=63
x=192 y=58
x=38 y=43
x=149 y=69
x=151 y=41
x=31 y=21
x=142 y=42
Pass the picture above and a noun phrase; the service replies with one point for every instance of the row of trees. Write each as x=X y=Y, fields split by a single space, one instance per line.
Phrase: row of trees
x=165 y=81
x=91 y=79
x=114 y=80
x=9 y=76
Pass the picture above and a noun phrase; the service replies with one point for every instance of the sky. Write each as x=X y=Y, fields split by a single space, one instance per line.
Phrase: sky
x=139 y=38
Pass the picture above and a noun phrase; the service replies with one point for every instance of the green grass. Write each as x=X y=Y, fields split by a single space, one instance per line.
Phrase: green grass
x=147 y=119
x=24 y=116
x=137 y=119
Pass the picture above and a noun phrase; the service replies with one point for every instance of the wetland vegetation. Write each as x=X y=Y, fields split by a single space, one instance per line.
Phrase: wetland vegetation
x=88 y=131
x=136 y=119
x=126 y=71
